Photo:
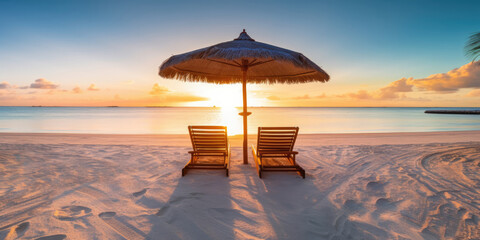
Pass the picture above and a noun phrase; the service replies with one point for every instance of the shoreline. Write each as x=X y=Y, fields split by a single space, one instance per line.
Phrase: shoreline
x=236 y=140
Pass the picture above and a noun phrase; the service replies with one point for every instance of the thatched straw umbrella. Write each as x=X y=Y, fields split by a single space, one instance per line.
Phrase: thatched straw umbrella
x=240 y=61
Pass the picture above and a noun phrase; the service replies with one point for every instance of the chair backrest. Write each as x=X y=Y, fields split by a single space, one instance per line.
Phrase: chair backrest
x=276 y=138
x=208 y=138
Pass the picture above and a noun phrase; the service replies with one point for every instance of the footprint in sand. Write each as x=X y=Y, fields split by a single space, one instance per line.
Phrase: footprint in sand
x=107 y=215
x=70 y=213
x=22 y=227
x=374 y=186
x=140 y=193
x=352 y=206
x=53 y=237
x=17 y=231
x=472 y=220
x=126 y=230
x=174 y=200
x=386 y=204
x=382 y=202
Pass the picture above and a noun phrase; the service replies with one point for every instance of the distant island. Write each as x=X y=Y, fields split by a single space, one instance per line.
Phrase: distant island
x=453 y=111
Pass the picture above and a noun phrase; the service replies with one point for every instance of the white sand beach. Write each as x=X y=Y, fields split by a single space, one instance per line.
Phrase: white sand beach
x=358 y=186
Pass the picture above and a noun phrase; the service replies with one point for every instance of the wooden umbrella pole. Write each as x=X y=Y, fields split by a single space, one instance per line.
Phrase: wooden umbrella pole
x=245 y=115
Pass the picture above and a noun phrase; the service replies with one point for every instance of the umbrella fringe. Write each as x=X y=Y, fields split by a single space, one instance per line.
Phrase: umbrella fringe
x=188 y=77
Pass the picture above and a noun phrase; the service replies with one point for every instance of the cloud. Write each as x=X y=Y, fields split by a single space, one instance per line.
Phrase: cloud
x=92 y=87
x=360 y=94
x=273 y=98
x=474 y=93
x=158 y=90
x=467 y=76
x=392 y=90
x=185 y=98
x=304 y=97
x=4 y=85
x=77 y=90
x=42 y=83
x=301 y=97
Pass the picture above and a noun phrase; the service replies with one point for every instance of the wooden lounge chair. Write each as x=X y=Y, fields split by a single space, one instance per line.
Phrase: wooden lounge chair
x=210 y=148
x=274 y=150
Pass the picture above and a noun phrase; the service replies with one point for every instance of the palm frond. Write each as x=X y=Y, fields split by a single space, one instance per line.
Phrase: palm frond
x=472 y=47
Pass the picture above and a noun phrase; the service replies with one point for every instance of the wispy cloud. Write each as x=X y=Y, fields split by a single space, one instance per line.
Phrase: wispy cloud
x=158 y=90
x=360 y=94
x=304 y=97
x=42 y=83
x=273 y=98
x=185 y=98
x=165 y=95
x=77 y=89
x=394 y=90
x=92 y=87
x=4 y=85
x=474 y=93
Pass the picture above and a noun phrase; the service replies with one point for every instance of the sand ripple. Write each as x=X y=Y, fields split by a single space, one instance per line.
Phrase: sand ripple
x=415 y=191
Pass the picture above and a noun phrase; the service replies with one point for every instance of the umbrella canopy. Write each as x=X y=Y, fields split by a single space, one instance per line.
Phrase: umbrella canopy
x=240 y=61
x=221 y=64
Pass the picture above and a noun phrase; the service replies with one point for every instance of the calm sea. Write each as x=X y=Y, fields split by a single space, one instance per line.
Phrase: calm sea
x=174 y=120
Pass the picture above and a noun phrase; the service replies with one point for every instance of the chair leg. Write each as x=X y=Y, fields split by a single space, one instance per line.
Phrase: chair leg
x=184 y=172
x=301 y=171
x=226 y=171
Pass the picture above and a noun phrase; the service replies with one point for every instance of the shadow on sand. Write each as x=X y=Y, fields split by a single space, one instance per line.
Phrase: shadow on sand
x=207 y=205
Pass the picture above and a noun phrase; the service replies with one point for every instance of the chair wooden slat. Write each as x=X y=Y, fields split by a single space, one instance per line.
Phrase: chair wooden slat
x=276 y=128
x=202 y=127
x=276 y=139
x=276 y=142
x=208 y=131
x=208 y=136
x=208 y=141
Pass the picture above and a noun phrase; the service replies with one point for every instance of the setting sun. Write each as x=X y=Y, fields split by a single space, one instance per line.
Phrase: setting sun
x=229 y=117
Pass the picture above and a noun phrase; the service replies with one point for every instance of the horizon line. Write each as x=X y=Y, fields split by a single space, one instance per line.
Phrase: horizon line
x=113 y=106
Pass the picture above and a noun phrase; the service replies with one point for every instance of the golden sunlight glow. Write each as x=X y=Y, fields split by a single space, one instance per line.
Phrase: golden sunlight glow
x=229 y=117
x=227 y=95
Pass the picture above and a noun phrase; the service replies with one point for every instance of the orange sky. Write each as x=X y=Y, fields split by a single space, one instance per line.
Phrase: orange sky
x=387 y=53
x=453 y=88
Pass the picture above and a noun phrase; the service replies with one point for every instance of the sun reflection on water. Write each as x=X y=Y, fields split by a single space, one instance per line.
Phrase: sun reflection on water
x=229 y=117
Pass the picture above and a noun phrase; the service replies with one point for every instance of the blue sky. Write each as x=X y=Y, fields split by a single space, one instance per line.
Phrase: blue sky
x=118 y=46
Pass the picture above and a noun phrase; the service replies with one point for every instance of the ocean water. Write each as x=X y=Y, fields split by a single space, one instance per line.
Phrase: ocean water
x=174 y=120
